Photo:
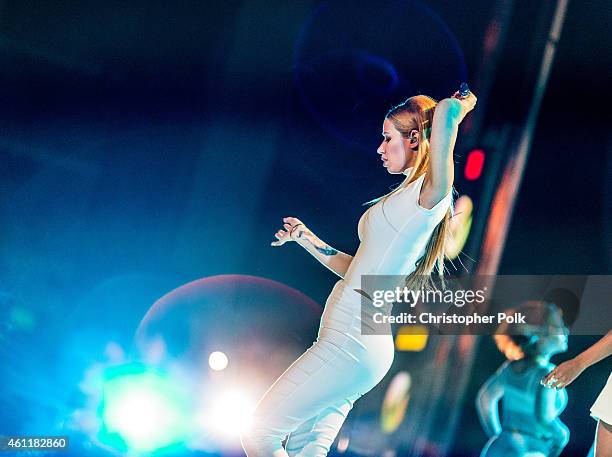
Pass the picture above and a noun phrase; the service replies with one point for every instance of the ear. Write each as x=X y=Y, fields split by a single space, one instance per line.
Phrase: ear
x=414 y=139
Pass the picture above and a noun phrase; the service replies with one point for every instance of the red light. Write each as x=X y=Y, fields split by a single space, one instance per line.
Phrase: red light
x=473 y=165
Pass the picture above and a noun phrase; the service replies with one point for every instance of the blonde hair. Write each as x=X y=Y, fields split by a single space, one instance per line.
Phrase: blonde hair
x=416 y=113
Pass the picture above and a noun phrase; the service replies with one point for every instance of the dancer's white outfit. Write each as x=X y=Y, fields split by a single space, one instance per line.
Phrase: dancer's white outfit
x=311 y=399
x=602 y=408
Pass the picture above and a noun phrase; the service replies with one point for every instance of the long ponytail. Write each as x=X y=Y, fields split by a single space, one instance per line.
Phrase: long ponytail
x=416 y=113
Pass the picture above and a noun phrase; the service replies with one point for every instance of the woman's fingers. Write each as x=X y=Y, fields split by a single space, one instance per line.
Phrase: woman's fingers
x=289 y=225
x=282 y=236
x=292 y=220
x=560 y=383
x=555 y=380
x=549 y=379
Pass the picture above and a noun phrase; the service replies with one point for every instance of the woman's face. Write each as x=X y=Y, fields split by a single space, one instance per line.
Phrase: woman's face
x=397 y=153
x=554 y=344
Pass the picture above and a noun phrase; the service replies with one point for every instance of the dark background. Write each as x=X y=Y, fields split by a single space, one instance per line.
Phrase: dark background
x=151 y=143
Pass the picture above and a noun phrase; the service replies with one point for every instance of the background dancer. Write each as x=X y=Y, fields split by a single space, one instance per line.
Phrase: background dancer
x=530 y=424
x=403 y=233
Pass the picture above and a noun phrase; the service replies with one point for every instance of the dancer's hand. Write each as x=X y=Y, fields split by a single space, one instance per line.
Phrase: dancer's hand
x=294 y=229
x=563 y=375
x=467 y=103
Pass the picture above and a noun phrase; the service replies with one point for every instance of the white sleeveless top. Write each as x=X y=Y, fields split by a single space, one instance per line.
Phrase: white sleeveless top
x=393 y=234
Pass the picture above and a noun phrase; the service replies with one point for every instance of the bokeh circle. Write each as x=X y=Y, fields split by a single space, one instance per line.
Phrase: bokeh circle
x=349 y=69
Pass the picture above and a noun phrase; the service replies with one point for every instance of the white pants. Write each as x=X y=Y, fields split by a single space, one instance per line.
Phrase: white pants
x=312 y=398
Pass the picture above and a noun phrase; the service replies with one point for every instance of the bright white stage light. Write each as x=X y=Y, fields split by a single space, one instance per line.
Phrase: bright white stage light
x=230 y=415
x=217 y=360
x=140 y=414
x=147 y=410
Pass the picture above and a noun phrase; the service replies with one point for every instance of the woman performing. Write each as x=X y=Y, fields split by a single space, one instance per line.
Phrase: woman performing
x=401 y=234
x=530 y=425
x=601 y=410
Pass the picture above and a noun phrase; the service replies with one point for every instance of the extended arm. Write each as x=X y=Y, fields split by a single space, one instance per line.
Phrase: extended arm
x=597 y=352
x=336 y=261
x=567 y=372
x=487 y=404
x=295 y=230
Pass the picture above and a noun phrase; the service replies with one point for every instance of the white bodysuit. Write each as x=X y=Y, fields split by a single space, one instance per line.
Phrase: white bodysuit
x=311 y=399
x=394 y=234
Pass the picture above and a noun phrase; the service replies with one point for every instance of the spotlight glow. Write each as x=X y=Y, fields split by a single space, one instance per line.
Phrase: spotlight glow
x=411 y=338
x=474 y=164
x=343 y=443
x=143 y=412
x=395 y=402
x=230 y=415
x=217 y=361
x=460 y=225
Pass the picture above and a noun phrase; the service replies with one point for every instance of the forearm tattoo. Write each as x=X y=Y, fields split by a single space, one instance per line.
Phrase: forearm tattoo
x=324 y=249
x=327 y=250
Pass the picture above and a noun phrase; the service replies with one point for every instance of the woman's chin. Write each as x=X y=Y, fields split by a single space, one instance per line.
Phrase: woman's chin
x=391 y=171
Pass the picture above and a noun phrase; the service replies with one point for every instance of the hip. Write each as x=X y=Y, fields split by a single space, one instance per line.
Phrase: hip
x=341 y=324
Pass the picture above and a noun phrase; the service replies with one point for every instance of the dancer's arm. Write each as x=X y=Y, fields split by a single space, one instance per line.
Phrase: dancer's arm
x=295 y=230
x=337 y=261
x=487 y=403
x=567 y=372
x=561 y=436
x=447 y=116
x=550 y=403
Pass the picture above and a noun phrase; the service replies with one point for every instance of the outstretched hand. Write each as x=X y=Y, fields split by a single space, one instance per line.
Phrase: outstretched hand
x=293 y=229
x=563 y=375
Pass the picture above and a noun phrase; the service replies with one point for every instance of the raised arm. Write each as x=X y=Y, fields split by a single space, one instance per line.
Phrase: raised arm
x=448 y=114
x=295 y=230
